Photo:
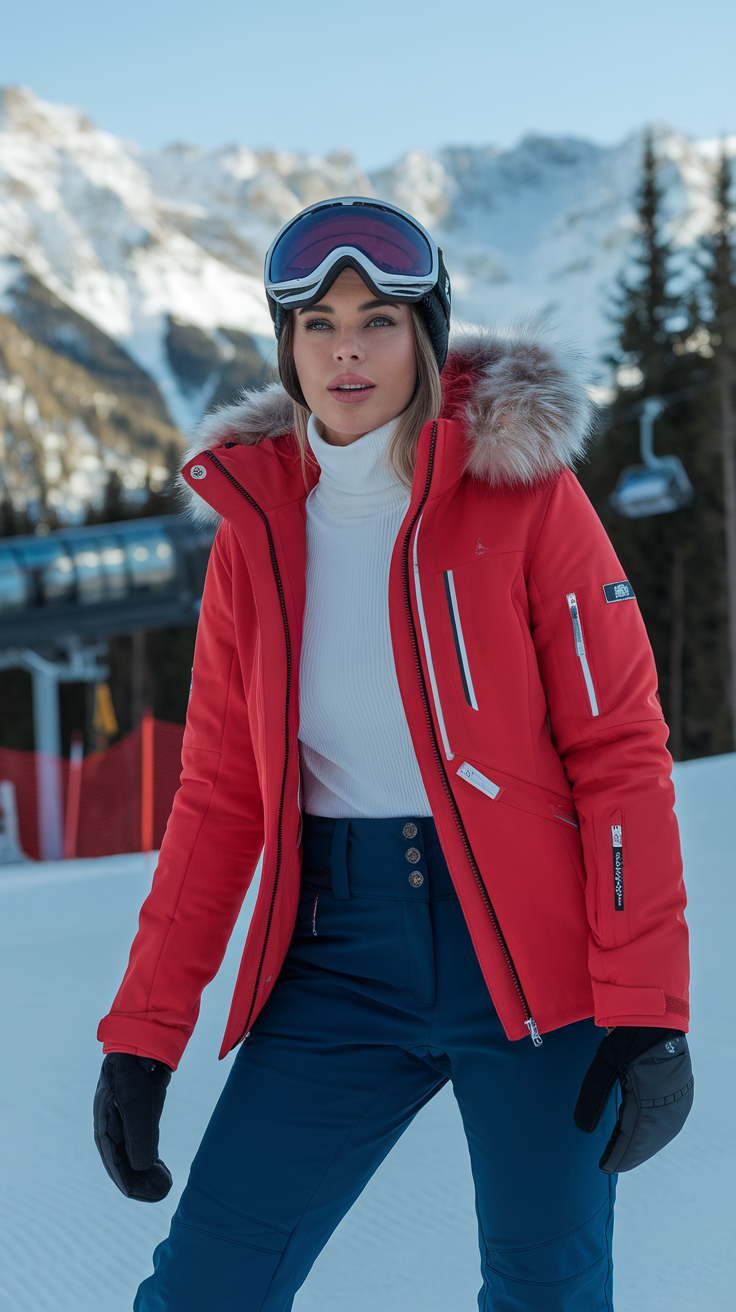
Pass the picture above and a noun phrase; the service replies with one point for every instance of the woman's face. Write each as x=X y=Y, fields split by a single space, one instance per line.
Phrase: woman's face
x=355 y=358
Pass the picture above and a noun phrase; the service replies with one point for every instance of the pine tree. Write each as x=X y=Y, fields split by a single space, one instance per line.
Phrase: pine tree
x=720 y=276
x=646 y=305
x=672 y=560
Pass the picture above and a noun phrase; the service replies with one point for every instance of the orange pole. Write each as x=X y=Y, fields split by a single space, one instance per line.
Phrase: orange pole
x=147 y=781
x=73 y=796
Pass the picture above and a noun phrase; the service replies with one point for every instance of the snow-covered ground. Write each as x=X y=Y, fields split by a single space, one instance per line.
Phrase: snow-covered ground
x=70 y=1243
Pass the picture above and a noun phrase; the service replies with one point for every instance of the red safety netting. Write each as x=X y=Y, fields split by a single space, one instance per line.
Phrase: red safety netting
x=110 y=802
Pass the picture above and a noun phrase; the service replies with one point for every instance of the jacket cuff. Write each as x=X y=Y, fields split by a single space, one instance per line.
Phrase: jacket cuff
x=143 y=1038
x=623 y=1004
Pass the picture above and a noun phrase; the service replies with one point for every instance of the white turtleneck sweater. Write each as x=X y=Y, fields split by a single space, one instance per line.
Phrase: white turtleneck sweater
x=356 y=751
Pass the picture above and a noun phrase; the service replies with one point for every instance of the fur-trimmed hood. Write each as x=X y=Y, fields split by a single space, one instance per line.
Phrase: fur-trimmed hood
x=519 y=395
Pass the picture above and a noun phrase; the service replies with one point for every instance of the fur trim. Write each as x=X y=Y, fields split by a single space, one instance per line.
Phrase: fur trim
x=258 y=414
x=522 y=400
x=519 y=395
x=262 y=413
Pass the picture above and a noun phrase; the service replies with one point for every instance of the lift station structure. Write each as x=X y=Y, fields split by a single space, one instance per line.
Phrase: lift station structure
x=64 y=593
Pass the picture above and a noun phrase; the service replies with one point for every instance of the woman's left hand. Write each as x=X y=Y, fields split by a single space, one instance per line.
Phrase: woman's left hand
x=655 y=1072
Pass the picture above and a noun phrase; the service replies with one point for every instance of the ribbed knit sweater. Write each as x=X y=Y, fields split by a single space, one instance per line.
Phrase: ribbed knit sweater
x=356 y=751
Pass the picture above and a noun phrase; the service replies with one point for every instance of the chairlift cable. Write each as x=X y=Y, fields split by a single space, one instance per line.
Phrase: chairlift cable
x=635 y=408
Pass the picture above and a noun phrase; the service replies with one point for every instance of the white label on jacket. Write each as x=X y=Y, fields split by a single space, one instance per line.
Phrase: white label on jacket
x=622 y=591
x=478 y=780
x=198 y=471
x=618 y=867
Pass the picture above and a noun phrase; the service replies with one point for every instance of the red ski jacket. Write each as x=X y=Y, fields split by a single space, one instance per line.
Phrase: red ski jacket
x=530 y=692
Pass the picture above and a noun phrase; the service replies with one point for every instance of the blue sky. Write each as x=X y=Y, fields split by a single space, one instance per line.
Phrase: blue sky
x=377 y=76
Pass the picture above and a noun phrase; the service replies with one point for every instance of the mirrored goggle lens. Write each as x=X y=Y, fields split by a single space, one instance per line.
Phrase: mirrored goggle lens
x=391 y=243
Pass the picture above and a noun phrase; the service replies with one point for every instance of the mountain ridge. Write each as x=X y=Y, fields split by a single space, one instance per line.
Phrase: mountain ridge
x=162 y=251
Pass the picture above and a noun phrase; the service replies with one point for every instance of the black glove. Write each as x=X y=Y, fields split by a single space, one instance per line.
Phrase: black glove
x=128 y=1103
x=656 y=1077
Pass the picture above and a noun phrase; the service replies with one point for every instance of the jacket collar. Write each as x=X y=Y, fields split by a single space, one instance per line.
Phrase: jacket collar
x=518 y=400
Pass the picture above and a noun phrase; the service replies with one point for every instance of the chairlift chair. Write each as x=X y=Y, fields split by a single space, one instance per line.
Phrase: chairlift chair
x=660 y=484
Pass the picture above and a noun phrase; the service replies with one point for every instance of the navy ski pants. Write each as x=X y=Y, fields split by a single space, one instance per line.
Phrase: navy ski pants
x=380 y=1002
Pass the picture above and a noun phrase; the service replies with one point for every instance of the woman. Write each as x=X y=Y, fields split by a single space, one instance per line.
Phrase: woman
x=423 y=683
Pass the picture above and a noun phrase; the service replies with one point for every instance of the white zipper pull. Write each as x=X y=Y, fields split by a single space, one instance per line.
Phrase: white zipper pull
x=577 y=629
x=534 y=1032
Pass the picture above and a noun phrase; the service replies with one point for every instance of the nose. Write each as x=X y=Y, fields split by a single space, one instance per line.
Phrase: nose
x=349 y=347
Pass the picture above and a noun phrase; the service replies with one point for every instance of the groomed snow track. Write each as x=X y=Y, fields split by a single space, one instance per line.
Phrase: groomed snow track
x=70 y=1243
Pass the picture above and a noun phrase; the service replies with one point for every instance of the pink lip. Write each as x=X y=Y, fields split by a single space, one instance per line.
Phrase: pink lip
x=351 y=380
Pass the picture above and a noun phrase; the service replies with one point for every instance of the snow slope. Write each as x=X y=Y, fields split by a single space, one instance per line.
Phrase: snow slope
x=70 y=1243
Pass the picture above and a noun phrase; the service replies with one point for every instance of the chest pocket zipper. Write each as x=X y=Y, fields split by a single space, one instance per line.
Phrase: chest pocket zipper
x=427 y=650
x=459 y=640
x=580 y=651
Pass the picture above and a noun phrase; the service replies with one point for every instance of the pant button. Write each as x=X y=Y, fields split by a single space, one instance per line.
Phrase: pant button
x=410 y=830
x=416 y=879
x=413 y=854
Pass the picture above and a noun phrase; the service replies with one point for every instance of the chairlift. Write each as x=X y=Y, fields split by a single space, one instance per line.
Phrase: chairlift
x=660 y=484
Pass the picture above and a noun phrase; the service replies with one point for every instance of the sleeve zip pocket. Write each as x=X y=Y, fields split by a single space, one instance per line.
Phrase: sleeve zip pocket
x=580 y=651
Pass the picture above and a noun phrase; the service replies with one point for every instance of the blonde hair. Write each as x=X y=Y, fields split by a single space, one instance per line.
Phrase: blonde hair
x=424 y=406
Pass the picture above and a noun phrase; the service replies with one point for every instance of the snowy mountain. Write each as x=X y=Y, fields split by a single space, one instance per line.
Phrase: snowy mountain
x=162 y=254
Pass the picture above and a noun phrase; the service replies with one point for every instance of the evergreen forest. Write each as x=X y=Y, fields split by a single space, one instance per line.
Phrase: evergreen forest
x=676 y=340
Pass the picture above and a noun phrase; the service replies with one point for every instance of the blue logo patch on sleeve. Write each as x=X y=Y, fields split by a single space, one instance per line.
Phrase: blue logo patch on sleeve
x=622 y=591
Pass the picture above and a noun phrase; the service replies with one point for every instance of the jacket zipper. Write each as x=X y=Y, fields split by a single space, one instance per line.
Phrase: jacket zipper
x=580 y=651
x=459 y=640
x=287 y=635
x=528 y=1018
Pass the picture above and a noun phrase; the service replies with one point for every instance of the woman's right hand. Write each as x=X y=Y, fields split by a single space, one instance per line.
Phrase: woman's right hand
x=127 y=1109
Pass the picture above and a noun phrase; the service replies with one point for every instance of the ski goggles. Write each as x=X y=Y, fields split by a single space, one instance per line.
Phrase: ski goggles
x=390 y=250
